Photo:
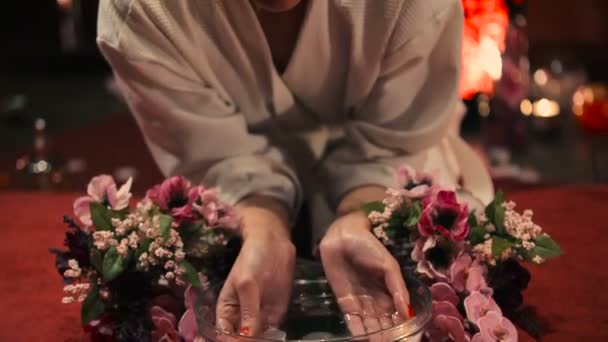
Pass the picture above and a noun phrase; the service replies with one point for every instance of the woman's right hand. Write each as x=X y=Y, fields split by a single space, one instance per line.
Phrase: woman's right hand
x=256 y=293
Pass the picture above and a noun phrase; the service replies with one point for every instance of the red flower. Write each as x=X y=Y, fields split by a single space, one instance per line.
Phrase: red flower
x=176 y=196
x=443 y=214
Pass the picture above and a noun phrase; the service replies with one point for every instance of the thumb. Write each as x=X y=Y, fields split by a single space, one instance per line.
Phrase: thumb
x=249 y=301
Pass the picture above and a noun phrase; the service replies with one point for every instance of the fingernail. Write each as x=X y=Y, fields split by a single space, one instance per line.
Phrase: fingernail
x=410 y=311
x=244 y=331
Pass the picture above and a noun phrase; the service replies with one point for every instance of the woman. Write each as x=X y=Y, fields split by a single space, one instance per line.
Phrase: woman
x=281 y=101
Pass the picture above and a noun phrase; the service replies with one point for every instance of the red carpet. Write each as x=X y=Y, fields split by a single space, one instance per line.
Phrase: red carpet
x=568 y=292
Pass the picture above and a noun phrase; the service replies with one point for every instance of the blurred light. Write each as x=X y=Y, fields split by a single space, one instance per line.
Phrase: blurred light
x=540 y=77
x=578 y=99
x=40 y=124
x=526 y=107
x=577 y=110
x=588 y=95
x=557 y=67
x=56 y=177
x=545 y=108
x=483 y=105
x=41 y=166
x=490 y=58
x=520 y=20
x=64 y=4
x=21 y=164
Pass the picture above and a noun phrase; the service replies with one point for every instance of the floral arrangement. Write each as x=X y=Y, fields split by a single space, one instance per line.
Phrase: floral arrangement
x=133 y=268
x=470 y=258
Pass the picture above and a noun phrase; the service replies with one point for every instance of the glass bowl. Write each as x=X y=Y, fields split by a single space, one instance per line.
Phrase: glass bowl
x=313 y=314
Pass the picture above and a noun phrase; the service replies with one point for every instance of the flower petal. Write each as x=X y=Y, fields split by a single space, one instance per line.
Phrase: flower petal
x=444 y=292
x=123 y=195
x=82 y=210
x=98 y=186
x=187 y=326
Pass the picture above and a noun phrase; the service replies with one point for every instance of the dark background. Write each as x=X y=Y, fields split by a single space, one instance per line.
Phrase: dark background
x=68 y=87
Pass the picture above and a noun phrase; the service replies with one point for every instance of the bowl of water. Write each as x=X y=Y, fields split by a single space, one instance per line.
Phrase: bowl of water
x=313 y=314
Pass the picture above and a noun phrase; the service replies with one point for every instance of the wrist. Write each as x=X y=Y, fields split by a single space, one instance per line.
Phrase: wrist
x=263 y=215
x=354 y=200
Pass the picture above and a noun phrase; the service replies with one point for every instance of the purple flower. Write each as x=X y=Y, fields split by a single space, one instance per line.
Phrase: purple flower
x=443 y=292
x=415 y=184
x=164 y=325
x=468 y=274
x=442 y=213
x=477 y=305
x=435 y=255
x=102 y=189
x=176 y=196
x=495 y=327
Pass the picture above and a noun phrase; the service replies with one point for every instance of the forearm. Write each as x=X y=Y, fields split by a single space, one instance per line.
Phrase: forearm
x=357 y=197
x=263 y=214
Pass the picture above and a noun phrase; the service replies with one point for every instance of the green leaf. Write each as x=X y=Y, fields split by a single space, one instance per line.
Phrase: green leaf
x=191 y=274
x=165 y=226
x=545 y=247
x=499 y=245
x=476 y=235
x=496 y=213
x=92 y=307
x=113 y=264
x=473 y=220
x=102 y=216
x=143 y=247
x=190 y=231
x=96 y=259
x=413 y=216
x=373 y=206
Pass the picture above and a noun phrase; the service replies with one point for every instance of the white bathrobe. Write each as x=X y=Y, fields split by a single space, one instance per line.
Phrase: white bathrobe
x=371 y=84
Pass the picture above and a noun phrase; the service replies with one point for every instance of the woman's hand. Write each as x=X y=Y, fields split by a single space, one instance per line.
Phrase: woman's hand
x=365 y=278
x=257 y=291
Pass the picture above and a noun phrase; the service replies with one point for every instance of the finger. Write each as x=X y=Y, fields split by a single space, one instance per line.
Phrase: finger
x=249 y=301
x=370 y=316
x=384 y=308
x=352 y=310
x=396 y=286
x=227 y=310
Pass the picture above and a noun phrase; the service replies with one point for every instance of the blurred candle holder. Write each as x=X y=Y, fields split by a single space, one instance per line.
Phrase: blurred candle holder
x=544 y=115
x=590 y=107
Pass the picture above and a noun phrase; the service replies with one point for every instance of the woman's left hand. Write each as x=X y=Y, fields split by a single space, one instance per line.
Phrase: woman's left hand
x=363 y=275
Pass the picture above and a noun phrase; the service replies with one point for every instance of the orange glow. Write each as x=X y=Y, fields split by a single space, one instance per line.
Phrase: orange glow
x=485 y=21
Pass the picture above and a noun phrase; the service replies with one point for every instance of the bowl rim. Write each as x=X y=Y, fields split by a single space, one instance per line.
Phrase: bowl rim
x=409 y=328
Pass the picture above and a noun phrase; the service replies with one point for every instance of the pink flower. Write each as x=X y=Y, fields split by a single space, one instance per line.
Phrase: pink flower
x=164 y=325
x=466 y=274
x=187 y=326
x=102 y=189
x=415 y=184
x=218 y=214
x=434 y=256
x=442 y=213
x=176 y=196
x=477 y=305
x=443 y=292
x=495 y=327
x=446 y=323
x=448 y=328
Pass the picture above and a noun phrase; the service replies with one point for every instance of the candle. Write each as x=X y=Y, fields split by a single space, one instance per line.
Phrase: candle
x=590 y=106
